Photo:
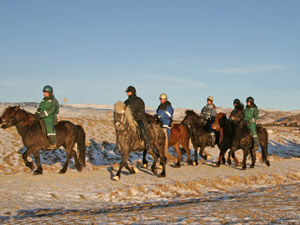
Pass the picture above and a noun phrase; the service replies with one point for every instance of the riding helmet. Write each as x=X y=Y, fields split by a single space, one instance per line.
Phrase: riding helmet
x=210 y=98
x=250 y=99
x=131 y=89
x=48 y=89
x=236 y=101
x=163 y=96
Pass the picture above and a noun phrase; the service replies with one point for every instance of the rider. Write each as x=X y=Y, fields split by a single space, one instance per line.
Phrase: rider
x=236 y=102
x=48 y=110
x=209 y=113
x=251 y=116
x=165 y=112
x=137 y=106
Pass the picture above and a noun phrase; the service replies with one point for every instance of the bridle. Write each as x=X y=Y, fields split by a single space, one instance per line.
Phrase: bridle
x=120 y=121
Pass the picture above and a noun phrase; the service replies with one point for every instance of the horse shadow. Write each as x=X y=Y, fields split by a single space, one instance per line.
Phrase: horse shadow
x=51 y=157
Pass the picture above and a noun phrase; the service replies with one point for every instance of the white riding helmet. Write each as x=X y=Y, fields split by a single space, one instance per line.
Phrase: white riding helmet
x=210 y=98
x=163 y=96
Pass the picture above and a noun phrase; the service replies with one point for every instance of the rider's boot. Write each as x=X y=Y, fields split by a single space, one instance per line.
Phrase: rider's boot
x=52 y=140
x=256 y=143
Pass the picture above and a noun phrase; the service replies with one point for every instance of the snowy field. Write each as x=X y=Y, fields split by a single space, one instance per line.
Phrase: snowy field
x=200 y=194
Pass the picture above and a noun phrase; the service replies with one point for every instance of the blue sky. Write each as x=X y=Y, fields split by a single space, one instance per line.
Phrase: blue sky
x=90 y=51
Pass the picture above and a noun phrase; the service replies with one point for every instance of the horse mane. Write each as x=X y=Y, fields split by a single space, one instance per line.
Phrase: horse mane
x=25 y=117
x=121 y=108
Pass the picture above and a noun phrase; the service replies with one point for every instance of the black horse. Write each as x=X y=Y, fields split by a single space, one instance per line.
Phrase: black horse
x=237 y=117
x=129 y=140
x=200 y=138
x=68 y=134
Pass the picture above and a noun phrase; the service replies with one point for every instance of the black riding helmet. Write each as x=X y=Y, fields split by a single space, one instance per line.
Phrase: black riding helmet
x=250 y=99
x=48 y=89
x=236 y=101
x=131 y=89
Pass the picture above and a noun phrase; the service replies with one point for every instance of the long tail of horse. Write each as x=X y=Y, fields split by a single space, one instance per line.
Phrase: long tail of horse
x=81 y=148
x=264 y=144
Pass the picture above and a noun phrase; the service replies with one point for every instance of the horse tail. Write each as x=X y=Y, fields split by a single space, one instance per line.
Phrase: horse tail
x=81 y=148
x=264 y=144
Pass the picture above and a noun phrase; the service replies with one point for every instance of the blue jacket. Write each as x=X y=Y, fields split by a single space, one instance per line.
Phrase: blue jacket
x=165 y=113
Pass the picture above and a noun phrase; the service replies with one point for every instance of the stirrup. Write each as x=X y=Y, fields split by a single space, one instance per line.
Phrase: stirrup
x=52 y=147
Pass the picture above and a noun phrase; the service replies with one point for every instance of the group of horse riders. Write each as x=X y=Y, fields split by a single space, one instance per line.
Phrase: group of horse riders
x=49 y=108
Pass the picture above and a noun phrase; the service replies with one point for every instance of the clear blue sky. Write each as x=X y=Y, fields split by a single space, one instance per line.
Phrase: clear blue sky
x=90 y=51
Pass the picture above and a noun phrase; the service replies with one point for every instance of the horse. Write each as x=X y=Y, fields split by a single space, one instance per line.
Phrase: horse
x=30 y=129
x=237 y=116
x=179 y=136
x=228 y=140
x=200 y=138
x=129 y=139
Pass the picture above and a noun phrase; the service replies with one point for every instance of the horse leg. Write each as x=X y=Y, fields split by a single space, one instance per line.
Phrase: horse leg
x=201 y=153
x=155 y=159
x=188 y=152
x=76 y=160
x=68 y=157
x=221 y=156
x=253 y=157
x=145 y=162
x=230 y=153
x=244 y=162
x=39 y=169
x=176 y=147
x=122 y=164
x=163 y=161
x=28 y=152
x=196 y=154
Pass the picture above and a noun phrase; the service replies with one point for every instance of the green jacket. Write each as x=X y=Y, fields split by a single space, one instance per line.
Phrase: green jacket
x=251 y=114
x=49 y=108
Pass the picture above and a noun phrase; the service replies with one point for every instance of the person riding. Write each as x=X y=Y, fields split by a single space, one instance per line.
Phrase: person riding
x=165 y=112
x=236 y=103
x=137 y=106
x=47 y=111
x=251 y=116
x=209 y=113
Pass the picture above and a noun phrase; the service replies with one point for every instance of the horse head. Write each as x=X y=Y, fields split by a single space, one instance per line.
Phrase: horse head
x=9 y=117
x=14 y=115
x=123 y=116
x=191 y=117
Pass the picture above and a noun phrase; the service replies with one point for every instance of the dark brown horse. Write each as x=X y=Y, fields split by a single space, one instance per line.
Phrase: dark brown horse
x=227 y=137
x=129 y=140
x=200 y=138
x=237 y=117
x=179 y=136
x=68 y=134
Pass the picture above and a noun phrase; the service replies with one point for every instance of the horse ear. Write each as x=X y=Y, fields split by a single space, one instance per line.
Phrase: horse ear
x=17 y=107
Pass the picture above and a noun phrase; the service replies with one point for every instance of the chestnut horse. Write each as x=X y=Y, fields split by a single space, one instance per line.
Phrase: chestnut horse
x=179 y=136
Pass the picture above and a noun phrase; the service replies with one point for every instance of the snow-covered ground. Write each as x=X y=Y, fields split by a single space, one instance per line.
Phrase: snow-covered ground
x=75 y=196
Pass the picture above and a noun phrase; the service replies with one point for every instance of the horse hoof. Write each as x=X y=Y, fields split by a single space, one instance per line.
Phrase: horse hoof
x=79 y=169
x=116 y=178
x=145 y=165
x=37 y=172
x=162 y=175
x=268 y=163
x=135 y=170
x=62 y=171
x=177 y=165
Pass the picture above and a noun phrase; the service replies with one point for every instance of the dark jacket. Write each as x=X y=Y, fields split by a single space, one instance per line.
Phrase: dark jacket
x=165 y=113
x=137 y=106
x=209 y=112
